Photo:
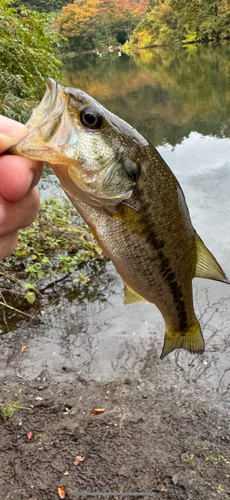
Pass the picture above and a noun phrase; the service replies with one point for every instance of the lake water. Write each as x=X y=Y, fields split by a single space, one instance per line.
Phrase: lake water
x=180 y=101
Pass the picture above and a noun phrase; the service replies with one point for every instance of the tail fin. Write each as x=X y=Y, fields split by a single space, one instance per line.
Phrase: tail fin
x=192 y=341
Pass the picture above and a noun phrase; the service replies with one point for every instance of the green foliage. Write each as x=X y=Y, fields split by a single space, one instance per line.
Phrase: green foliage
x=26 y=59
x=208 y=18
x=215 y=459
x=57 y=243
x=191 y=36
x=189 y=459
x=30 y=297
x=9 y=410
x=158 y=27
x=170 y=21
x=43 y=5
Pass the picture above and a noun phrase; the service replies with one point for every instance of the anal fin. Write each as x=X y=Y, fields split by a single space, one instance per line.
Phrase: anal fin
x=191 y=341
x=130 y=296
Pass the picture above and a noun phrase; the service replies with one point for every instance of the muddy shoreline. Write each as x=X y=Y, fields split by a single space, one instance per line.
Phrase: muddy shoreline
x=172 y=442
x=165 y=428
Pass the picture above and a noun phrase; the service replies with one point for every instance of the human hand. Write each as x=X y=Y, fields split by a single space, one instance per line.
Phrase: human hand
x=19 y=198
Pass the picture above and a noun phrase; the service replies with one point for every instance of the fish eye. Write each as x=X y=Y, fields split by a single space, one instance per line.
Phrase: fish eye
x=90 y=118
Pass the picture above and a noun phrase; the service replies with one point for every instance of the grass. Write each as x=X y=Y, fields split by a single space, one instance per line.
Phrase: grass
x=9 y=410
x=189 y=460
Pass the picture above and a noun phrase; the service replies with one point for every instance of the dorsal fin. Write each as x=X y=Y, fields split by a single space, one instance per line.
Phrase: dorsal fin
x=130 y=296
x=206 y=264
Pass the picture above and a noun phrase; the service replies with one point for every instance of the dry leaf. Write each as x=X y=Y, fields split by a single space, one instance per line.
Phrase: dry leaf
x=175 y=479
x=78 y=459
x=61 y=492
x=98 y=410
x=29 y=435
x=23 y=348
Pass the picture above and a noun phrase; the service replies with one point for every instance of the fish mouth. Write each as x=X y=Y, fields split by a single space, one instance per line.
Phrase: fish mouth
x=46 y=106
x=49 y=126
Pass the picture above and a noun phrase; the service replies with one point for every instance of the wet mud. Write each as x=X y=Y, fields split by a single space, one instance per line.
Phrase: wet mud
x=165 y=428
x=170 y=442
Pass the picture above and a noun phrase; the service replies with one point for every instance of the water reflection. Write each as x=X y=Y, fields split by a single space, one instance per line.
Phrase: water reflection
x=165 y=94
x=106 y=340
x=180 y=101
x=55 y=289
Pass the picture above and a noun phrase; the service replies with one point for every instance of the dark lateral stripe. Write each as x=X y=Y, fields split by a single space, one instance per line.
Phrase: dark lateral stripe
x=165 y=268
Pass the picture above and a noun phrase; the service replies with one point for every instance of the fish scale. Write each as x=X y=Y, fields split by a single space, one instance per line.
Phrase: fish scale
x=131 y=201
x=137 y=261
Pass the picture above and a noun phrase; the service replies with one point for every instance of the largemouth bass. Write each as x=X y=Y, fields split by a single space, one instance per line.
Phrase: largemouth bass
x=131 y=201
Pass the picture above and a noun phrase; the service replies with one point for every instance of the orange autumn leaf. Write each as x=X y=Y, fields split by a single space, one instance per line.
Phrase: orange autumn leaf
x=98 y=410
x=84 y=18
x=23 y=348
x=61 y=492
x=78 y=459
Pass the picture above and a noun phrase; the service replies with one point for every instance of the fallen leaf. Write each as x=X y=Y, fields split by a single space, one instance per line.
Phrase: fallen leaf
x=29 y=435
x=162 y=487
x=175 y=479
x=98 y=410
x=61 y=492
x=78 y=459
x=23 y=348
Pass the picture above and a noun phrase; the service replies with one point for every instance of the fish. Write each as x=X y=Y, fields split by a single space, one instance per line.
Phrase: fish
x=131 y=201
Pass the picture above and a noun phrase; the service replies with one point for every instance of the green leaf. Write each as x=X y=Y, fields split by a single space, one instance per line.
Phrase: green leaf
x=30 y=297
x=29 y=286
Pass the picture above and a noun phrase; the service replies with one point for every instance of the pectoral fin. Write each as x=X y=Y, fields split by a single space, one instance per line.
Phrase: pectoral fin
x=206 y=264
x=130 y=296
x=192 y=341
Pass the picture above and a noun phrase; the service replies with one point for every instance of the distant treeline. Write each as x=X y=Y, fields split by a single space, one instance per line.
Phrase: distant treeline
x=172 y=21
x=43 y=5
x=94 y=24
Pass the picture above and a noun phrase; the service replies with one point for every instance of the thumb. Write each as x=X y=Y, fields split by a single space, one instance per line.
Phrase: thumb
x=10 y=132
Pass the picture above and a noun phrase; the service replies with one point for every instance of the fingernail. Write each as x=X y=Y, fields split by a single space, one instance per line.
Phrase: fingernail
x=2 y=213
x=32 y=181
x=35 y=172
